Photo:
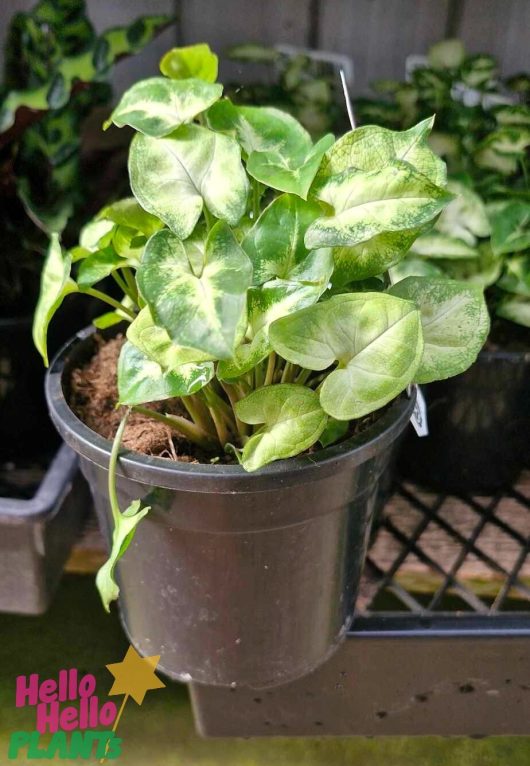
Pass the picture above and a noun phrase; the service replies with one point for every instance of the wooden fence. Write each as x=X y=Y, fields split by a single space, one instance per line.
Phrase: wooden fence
x=377 y=34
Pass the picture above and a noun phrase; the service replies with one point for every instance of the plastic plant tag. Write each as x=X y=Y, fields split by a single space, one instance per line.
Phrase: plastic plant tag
x=419 y=413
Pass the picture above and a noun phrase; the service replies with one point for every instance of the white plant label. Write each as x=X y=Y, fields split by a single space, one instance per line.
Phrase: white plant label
x=419 y=414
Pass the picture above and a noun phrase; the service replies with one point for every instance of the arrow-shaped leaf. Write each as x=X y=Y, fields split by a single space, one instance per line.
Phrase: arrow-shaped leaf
x=204 y=308
x=174 y=177
x=292 y=418
x=158 y=106
x=375 y=338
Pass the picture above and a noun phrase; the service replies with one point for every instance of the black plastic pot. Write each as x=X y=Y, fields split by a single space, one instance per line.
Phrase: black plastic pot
x=36 y=536
x=237 y=578
x=479 y=427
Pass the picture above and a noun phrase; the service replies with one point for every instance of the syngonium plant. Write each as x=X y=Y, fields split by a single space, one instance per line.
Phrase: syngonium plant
x=254 y=266
x=56 y=72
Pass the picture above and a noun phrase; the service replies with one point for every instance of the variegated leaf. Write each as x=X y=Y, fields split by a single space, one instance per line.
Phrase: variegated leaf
x=158 y=106
x=375 y=338
x=204 y=308
x=174 y=177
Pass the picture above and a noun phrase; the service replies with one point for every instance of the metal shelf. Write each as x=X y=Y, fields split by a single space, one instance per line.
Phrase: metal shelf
x=441 y=640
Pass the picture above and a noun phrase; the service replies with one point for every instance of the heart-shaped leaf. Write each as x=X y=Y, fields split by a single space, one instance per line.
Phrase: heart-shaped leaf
x=375 y=338
x=246 y=357
x=368 y=204
x=190 y=61
x=414 y=267
x=97 y=266
x=455 y=323
x=158 y=106
x=174 y=177
x=279 y=150
x=55 y=286
x=483 y=270
x=154 y=341
x=465 y=217
x=368 y=259
x=292 y=421
x=204 y=308
x=371 y=148
x=141 y=380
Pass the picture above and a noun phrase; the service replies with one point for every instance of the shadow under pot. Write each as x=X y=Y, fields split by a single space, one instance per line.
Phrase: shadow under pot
x=479 y=427
x=236 y=578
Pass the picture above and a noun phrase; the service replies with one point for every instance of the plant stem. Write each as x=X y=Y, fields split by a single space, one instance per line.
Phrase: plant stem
x=288 y=373
x=220 y=427
x=198 y=413
x=131 y=282
x=234 y=396
x=303 y=376
x=107 y=299
x=122 y=285
x=113 y=494
x=185 y=427
x=215 y=401
x=269 y=375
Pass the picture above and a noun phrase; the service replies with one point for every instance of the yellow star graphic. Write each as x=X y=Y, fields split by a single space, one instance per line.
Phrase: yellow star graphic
x=135 y=676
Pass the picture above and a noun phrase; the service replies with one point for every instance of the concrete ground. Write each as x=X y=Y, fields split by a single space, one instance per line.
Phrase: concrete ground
x=77 y=633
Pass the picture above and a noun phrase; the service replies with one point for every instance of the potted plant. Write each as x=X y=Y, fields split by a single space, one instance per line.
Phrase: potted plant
x=256 y=350
x=55 y=76
x=479 y=422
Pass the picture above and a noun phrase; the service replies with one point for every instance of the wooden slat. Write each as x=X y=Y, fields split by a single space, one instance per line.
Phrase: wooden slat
x=379 y=34
x=499 y=27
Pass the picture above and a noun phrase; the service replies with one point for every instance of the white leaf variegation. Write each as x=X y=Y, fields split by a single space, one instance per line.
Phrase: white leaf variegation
x=455 y=323
x=174 y=177
x=158 y=106
x=367 y=204
x=141 y=380
x=201 y=308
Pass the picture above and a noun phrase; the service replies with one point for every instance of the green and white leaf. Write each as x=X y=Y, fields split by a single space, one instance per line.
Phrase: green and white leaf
x=124 y=528
x=127 y=212
x=246 y=357
x=154 y=341
x=98 y=266
x=279 y=297
x=413 y=267
x=465 y=217
x=280 y=152
x=438 y=245
x=202 y=309
x=142 y=380
x=375 y=338
x=455 y=323
x=447 y=54
x=516 y=277
x=275 y=244
x=515 y=309
x=96 y=234
x=371 y=148
x=481 y=271
x=157 y=106
x=190 y=61
x=174 y=177
x=367 y=204
x=56 y=284
x=292 y=418
x=510 y=226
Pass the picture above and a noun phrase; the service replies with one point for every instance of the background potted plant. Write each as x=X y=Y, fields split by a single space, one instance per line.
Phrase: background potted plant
x=479 y=422
x=56 y=71
x=258 y=333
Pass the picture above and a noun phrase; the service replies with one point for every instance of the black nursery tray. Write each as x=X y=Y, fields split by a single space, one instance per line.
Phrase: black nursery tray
x=441 y=640
x=40 y=519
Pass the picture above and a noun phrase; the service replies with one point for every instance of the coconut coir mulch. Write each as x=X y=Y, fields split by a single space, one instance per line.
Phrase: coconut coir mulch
x=94 y=393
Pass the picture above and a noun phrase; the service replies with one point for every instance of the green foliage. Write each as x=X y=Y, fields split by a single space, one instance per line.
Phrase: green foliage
x=56 y=73
x=254 y=268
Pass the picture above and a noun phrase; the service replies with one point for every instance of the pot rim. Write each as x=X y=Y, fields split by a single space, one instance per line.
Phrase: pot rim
x=211 y=477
